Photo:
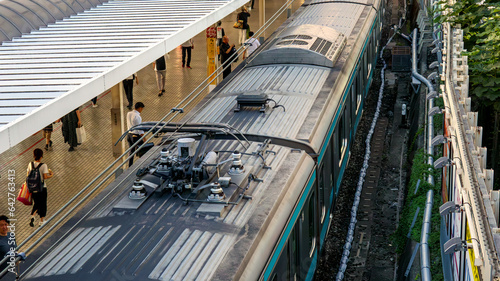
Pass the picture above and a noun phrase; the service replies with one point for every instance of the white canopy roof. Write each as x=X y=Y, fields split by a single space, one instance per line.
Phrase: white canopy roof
x=51 y=71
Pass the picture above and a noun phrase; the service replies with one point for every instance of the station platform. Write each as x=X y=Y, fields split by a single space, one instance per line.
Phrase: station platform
x=74 y=170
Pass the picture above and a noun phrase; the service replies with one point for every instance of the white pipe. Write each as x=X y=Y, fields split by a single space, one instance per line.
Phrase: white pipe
x=425 y=267
x=430 y=120
x=425 y=264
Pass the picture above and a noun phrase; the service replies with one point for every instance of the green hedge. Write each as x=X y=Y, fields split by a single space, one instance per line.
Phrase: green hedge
x=421 y=170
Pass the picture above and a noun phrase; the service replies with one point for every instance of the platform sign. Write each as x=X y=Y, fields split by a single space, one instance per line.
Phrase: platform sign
x=211 y=53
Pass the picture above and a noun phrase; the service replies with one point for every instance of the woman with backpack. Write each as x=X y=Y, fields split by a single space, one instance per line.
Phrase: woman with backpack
x=38 y=187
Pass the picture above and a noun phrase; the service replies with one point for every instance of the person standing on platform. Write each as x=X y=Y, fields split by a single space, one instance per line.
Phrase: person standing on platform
x=243 y=15
x=226 y=52
x=70 y=122
x=39 y=197
x=47 y=133
x=220 y=34
x=128 y=87
x=250 y=46
x=94 y=102
x=186 y=48
x=161 y=73
x=134 y=118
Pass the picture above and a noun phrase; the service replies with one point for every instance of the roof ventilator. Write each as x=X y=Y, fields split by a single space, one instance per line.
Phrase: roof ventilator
x=259 y=100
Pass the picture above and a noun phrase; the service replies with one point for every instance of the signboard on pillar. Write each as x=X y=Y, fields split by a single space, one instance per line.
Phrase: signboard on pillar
x=116 y=131
x=117 y=119
x=212 y=54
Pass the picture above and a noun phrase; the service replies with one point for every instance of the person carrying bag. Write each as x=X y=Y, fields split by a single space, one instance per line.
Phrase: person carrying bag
x=37 y=174
x=243 y=19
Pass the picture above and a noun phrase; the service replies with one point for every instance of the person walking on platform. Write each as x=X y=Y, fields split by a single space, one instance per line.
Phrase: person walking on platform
x=250 y=46
x=70 y=122
x=128 y=87
x=243 y=15
x=134 y=118
x=39 y=197
x=161 y=73
x=47 y=133
x=227 y=53
x=186 y=49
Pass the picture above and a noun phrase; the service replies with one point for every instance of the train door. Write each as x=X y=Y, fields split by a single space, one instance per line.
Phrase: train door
x=325 y=179
x=333 y=174
x=307 y=236
x=322 y=191
x=356 y=100
x=339 y=149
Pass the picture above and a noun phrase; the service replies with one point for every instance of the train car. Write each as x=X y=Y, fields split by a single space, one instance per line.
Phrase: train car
x=244 y=187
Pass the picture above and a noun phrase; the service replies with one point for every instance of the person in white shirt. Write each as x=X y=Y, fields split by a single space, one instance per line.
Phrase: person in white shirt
x=133 y=119
x=186 y=48
x=250 y=46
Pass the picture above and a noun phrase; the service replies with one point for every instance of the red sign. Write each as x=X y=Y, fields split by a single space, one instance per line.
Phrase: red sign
x=212 y=32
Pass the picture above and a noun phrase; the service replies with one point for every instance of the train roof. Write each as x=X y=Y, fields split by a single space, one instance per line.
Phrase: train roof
x=166 y=239
x=295 y=87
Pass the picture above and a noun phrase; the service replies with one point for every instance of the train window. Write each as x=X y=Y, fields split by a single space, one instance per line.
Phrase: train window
x=342 y=139
x=361 y=89
x=294 y=259
x=311 y=221
x=370 y=56
x=282 y=270
x=328 y=178
x=321 y=187
x=334 y=154
x=357 y=95
x=353 y=98
x=365 y=65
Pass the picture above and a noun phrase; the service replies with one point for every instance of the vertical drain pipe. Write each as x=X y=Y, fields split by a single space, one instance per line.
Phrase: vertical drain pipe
x=430 y=120
x=425 y=265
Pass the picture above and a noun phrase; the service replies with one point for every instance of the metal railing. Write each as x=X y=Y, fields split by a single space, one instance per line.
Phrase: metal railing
x=109 y=171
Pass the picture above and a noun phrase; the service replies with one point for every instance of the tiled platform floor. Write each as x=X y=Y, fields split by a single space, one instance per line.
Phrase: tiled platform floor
x=74 y=170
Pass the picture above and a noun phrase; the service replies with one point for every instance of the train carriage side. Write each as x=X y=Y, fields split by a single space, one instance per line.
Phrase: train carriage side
x=336 y=114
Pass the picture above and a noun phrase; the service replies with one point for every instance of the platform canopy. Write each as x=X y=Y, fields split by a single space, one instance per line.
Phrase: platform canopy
x=49 y=72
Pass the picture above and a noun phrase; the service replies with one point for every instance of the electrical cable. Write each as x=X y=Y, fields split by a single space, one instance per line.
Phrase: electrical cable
x=357 y=196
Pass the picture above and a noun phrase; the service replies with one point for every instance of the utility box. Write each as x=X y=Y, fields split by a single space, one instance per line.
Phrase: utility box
x=401 y=58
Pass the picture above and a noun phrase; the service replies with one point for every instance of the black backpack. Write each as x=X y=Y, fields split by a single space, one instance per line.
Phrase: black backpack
x=34 y=179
